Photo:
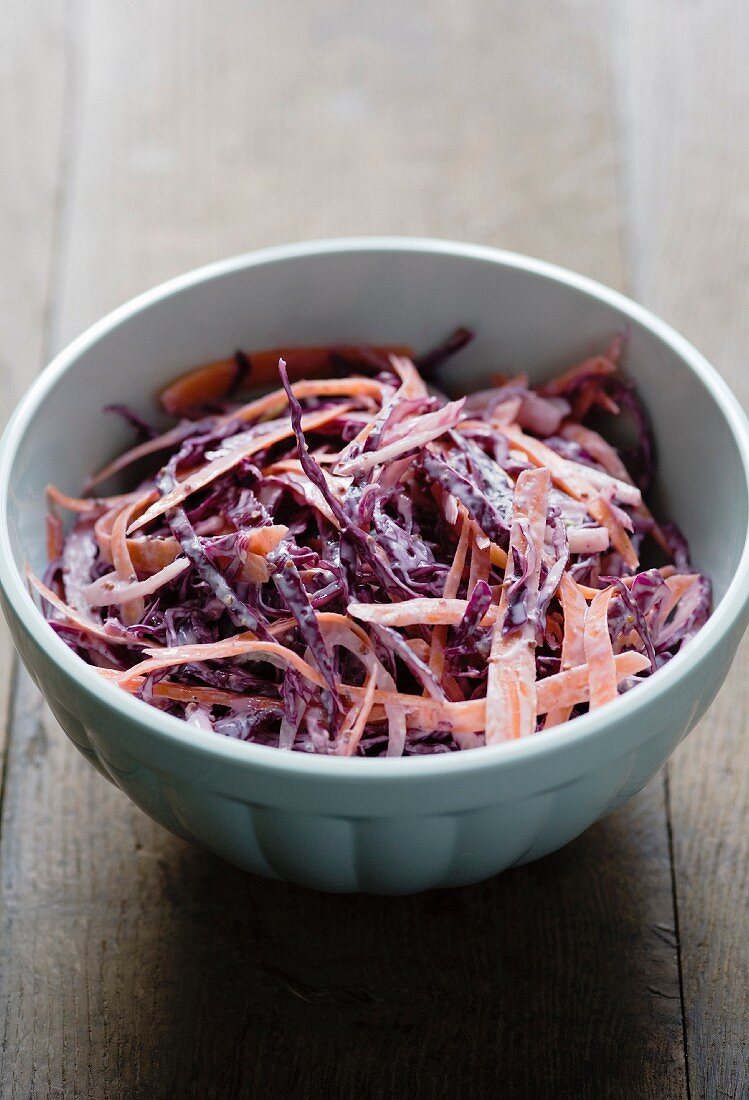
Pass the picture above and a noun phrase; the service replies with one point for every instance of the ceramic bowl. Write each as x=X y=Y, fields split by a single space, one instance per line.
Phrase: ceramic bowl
x=383 y=826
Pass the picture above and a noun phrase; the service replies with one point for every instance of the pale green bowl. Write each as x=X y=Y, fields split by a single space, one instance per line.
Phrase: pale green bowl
x=384 y=826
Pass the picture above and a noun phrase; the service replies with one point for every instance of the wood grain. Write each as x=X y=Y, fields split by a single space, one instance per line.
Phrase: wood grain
x=209 y=130
x=33 y=73
x=134 y=966
x=686 y=107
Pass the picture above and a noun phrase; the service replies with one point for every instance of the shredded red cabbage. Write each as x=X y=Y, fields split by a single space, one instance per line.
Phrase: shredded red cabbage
x=354 y=564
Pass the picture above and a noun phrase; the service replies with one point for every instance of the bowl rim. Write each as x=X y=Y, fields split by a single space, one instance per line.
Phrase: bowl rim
x=169 y=729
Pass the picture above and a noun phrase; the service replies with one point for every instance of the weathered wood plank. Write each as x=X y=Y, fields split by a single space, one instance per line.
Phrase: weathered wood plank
x=147 y=968
x=33 y=70
x=215 y=131
x=132 y=965
x=687 y=114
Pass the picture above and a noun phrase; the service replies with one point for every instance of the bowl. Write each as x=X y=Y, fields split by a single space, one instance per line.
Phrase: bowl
x=382 y=825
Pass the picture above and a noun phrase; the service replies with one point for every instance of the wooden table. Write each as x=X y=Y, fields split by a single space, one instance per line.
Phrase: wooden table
x=143 y=137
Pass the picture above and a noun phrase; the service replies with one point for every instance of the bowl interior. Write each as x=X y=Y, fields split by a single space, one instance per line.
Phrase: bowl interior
x=526 y=317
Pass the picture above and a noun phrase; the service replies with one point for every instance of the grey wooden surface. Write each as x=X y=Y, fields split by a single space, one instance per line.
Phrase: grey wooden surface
x=143 y=137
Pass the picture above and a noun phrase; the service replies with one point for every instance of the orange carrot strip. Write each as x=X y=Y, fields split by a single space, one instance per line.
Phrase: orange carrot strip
x=153 y=554
x=213 y=381
x=573 y=686
x=432 y=611
x=211 y=696
x=103 y=532
x=564 y=689
x=258 y=544
x=55 y=537
x=358 y=716
x=412 y=384
x=574 y=609
x=226 y=462
x=87 y=504
x=240 y=645
x=108 y=590
x=455 y=573
x=338 y=630
x=591 y=593
x=148 y=555
x=480 y=563
x=96 y=630
x=678 y=585
x=598 y=651
x=335 y=619
x=149 y=447
x=198 y=387
x=275 y=402
x=264 y=539
x=584 y=485
x=597 y=364
x=601 y=511
x=423 y=712
x=606 y=456
x=421 y=648
x=187 y=693
x=498 y=556
x=567 y=689
x=337 y=483
x=578 y=481
x=511 y=685
x=597 y=448
x=105 y=522
x=131 y=611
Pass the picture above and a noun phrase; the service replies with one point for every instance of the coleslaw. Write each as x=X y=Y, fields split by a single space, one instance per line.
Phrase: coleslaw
x=353 y=563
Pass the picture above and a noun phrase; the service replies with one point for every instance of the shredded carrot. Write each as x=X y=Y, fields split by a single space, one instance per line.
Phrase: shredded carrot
x=188 y=693
x=511 y=687
x=55 y=537
x=561 y=383
x=88 y=504
x=149 y=447
x=386 y=548
x=480 y=562
x=213 y=382
x=358 y=716
x=598 y=651
x=597 y=448
x=227 y=461
x=620 y=540
x=439 y=611
x=574 y=609
x=583 y=483
x=564 y=689
x=239 y=646
x=678 y=586
x=498 y=556
x=274 y=403
x=412 y=384
x=132 y=610
x=106 y=592
x=96 y=630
